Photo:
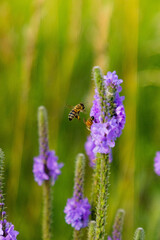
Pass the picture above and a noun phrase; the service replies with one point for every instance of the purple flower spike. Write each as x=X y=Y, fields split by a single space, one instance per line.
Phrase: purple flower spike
x=9 y=232
x=78 y=208
x=104 y=132
x=49 y=170
x=77 y=213
x=157 y=163
x=45 y=166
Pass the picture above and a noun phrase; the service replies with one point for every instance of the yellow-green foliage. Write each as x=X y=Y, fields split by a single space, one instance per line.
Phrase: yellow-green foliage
x=47 y=51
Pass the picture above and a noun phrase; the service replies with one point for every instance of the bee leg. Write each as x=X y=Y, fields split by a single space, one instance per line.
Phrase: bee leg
x=77 y=116
x=89 y=128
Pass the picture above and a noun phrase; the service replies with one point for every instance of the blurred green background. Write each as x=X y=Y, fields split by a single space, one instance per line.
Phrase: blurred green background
x=47 y=51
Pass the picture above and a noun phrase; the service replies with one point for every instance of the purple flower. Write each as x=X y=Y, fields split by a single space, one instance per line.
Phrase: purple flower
x=77 y=213
x=111 y=80
x=78 y=208
x=96 y=108
x=120 y=118
x=7 y=231
x=157 y=163
x=48 y=170
x=103 y=135
x=105 y=132
x=92 y=149
x=109 y=238
x=89 y=146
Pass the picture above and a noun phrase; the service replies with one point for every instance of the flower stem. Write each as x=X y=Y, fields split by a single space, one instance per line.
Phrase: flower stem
x=47 y=211
x=102 y=198
x=139 y=234
x=1 y=185
x=95 y=186
x=118 y=224
x=91 y=230
x=79 y=177
x=77 y=235
x=78 y=187
x=43 y=132
x=43 y=147
x=99 y=82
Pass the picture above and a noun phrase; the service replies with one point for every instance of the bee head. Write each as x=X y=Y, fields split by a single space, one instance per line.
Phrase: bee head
x=82 y=105
x=92 y=117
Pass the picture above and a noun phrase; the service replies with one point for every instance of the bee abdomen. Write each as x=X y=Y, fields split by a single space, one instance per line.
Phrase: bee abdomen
x=71 y=115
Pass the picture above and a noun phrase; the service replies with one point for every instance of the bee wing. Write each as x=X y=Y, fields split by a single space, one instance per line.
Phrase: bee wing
x=84 y=121
x=69 y=106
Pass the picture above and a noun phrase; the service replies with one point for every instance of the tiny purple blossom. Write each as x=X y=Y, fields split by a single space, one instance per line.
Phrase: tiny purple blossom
x=157 y=163
x=89 y=146
x=77 y=213
x=120 y=117
x=103 y=137
x=96 y=108
x=9 y=233
x=111 y=79
x=46 y=171
x=92 y=149
x=109 y=238
x=38 y=170
x=53 y=166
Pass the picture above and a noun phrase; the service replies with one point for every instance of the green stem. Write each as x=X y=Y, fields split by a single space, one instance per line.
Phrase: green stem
x=118 y=225
x=47 y=210
x=102 y=198
x=79 y=177
x=91 y=230
x=139 y=234
x=99 y=82
x=95 y=187
x=43 y=146
x=77 y=235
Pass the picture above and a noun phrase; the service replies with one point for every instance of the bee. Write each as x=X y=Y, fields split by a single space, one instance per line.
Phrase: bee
x=89 y=122
x=74 y=113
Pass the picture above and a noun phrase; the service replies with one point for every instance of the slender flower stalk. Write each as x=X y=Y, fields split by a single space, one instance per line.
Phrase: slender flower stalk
x=109 y=120
x=100 y=190
x=77 y=209
x=43 y=149
x=91 y=231
x=139 y=234
x=77 y=235
x=7 y=231
x=79 y=177
x=100 y=90
x=95 y=186
x=46 y=170
x=118 y=225
x=102 y=198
